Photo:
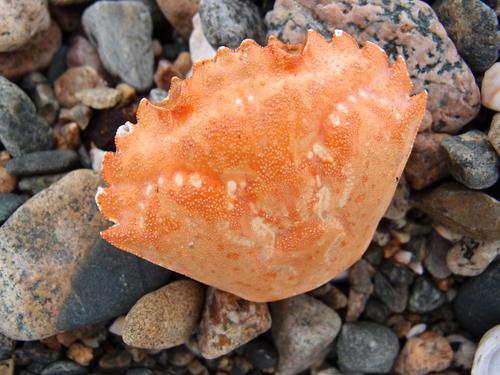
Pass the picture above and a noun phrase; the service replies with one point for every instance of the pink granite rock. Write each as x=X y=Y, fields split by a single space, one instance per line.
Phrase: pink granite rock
x=82 y=53
x=406 y=27
x=37 y=55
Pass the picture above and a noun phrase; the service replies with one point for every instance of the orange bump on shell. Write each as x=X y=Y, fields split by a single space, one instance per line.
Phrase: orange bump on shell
x=265 y=173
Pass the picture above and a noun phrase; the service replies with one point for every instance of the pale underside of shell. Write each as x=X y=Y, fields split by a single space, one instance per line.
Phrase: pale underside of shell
x=266 y=172
x=487 y=357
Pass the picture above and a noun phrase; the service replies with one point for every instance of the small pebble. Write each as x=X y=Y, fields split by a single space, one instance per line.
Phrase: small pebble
x=416 y=330
x=395 y=297
x=165 y=71
x=64 y=368
x=7 y=367
x=180 y=14
x=470 y=257
x=261 y=354
x=490 y=88
x=99 y=97
x=40 y=91
x=425 y=297
x=8 y=182
x=128 y=94
x=82 y=53
x=42 y=162
x=425 y=353
x=67 y=136
x=79 y=114
x=157 y=95
x=366 y=347
x=74 y=80
x=164 y=318
x=472 y=161
x=80 y=353
x=8 y=204
x=116 y=361
x=463 y=351
x=183 y=63
x=34 y=184
x=199 y=46
x=334 y=298
x=435 y=260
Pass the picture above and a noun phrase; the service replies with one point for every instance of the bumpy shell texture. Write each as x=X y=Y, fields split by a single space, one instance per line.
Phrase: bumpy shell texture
x=265 y=173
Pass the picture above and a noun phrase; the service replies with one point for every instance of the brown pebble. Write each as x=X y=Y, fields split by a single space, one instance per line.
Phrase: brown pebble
x=392 y=247
x=423 y=354
x=164 y=74
x=99 y=97
x=66 y=338
x=8 y=182
x=7 y=367
x=74 y=80
x=51 y=343
x=128 y=93
x=335 y=298
x=157 y=49
x=67 y=136
x=183 y=63
x=80 y=353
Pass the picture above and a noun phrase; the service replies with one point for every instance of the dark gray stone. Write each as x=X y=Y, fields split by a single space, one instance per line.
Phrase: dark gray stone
x=473 y=27
x=435 y=260
x=21 y=130
x=376 y=311
x=42 y=162
x=115 y=361
x=40 y=91
x=261 y=354
x=34 y=184
x=397 y=273
x=367 y=347
x=228 y=22
x=57 y=273
x=36 y=352
x=425 y=297
x=8 y=204
x=6 y=346
x=395 y=296
x=477 y=304
x=121 y=32
x=64 y=368
x=472 y=160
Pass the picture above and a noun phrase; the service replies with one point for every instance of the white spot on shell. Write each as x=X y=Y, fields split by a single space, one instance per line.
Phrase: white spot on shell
x=125 y=129
x=161 y=180
x=264 y=230
x=250 y=98
x=363 y=94
x=100 y=191
x=318 y=180
x=231 y=188
x=141 y=205
x=310 y=155
x=179 y=179
x=342 y=108
x=243 y=184
x=348 y=185
x=334 y=119
x=352 y=98
x=149 y=189
x=195 y=180
x=322 y=152
x=397 y=116
x=141 y=222
x=238 y=101
x=338 y=32
x=323 y=202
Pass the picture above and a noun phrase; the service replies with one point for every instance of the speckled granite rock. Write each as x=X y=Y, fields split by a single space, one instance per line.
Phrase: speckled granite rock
x=21 y=130
x=303 y=329
x=74 y=80
x=121 y=32
x=470 y=257
x=494 y=133
x=57 y=274
x=228 y=322
x=406 y=27
x=473 y=27
x=229 y=22
x=468 y=212
x=471 y=159
x=37 y=55
x=20 y=21
x=166 y=317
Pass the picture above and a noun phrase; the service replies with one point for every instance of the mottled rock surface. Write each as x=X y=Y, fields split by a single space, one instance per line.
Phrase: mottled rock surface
x=367 y=347
x=166 y=317
x=57 y=274
x=20 y=21
x=494 y=133
x=303 y=329
x=21 y=130
x=473 y=27
x=8 y=204
x=406 y=27
x=99 y=97
x=229 y=22
x=74 y=80
x=121 y=32
x=470 y=257
x=37 y=55
x=464 y=211
x=472 y=160
x=228 y=322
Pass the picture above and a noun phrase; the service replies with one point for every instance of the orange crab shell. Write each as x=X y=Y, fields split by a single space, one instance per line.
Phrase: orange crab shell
x=265 y=173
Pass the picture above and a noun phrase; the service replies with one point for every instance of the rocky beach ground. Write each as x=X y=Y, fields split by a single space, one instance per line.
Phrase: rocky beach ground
x=418 y=302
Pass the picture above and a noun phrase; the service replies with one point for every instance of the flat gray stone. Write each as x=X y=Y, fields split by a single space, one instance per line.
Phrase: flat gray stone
x=42 y=162
x=121 y=32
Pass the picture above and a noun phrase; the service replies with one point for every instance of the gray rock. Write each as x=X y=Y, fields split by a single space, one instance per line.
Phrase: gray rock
x=6 y=346
x=21 y=130
x=303 y=329
x=121 y=32
x=376 y=311
x=8 y=204
x=471 y=159
x=425 y=297
x=367 y=347
x=395 y=297
x=397 y=273
x=470 y=257
x=229 y=22
x=156 y=95
x=34 y=184
x=473 y=27
x=115 y=361
x=57 y=274
x=40 y=91
x=435 y=260
x=477 y=304
x=406 y=27
x=471 y=213
x=42 y=162
x=64 y=368
x=400 y=202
